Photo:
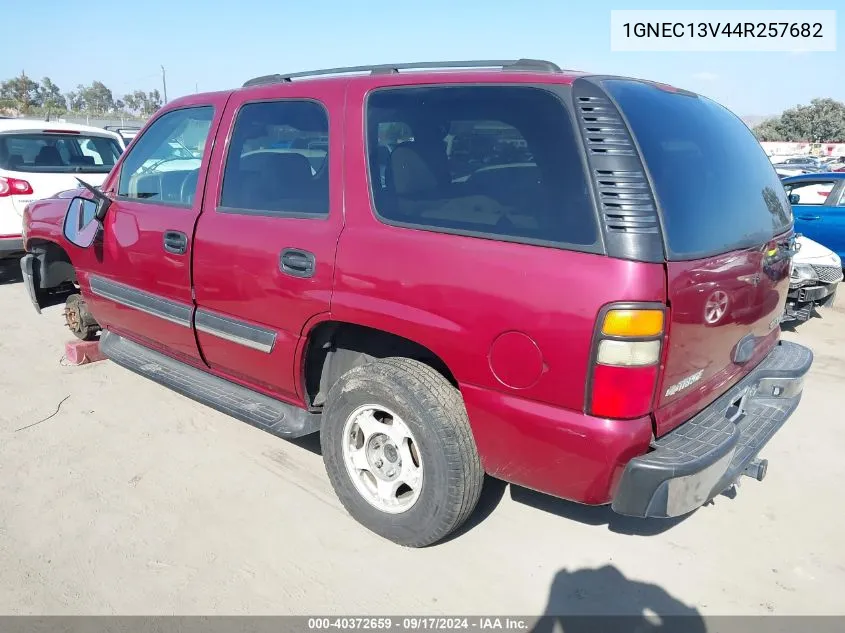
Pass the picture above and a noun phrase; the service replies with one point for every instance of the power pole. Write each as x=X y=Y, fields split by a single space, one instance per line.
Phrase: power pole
x=196 y=87
x=164 y=83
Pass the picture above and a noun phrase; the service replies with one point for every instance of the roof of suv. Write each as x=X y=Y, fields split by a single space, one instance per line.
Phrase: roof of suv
x=10 y=125
x=481 y=71
x=423 y=70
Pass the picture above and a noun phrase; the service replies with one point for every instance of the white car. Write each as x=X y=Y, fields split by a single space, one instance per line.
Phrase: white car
x=41 y=158
x=814 y=277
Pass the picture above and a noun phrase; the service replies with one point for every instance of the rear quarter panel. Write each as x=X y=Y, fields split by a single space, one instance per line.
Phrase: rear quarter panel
x=503 y=316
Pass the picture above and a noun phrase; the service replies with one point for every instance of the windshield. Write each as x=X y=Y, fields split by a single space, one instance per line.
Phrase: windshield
x=58 y=153
x=717 y=189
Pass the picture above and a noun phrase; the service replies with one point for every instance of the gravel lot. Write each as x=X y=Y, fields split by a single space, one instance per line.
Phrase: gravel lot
x=135 y=500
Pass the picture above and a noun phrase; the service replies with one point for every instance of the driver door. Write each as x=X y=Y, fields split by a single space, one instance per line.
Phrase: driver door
x=137 y=280
x=815 y=210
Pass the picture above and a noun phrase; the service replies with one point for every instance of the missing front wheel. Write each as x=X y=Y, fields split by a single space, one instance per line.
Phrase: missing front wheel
x=79 y=319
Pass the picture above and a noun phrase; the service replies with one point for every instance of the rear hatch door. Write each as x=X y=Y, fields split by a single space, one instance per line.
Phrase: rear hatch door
x=51 y=160
x=727 y=224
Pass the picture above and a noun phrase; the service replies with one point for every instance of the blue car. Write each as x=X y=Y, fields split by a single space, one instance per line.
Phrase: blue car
x=818 y=203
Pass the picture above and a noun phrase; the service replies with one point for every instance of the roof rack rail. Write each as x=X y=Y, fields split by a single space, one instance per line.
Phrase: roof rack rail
x=531 y=65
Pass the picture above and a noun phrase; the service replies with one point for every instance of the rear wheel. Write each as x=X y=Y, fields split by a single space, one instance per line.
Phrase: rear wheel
x=399 y=451
x=79 y=320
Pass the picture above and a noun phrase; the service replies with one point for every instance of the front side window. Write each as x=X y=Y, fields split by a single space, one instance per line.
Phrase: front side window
x=163 y=166
x=278 y=160
x=55 y=152
x=498 y=162
x=811 y=193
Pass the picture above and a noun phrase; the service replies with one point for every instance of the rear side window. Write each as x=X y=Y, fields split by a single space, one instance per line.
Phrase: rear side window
x=489 y=161
x=278 y=160
x=717 y=189
x=58 y=153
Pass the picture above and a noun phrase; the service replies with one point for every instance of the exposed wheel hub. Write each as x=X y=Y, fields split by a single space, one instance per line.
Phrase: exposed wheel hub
x=73 y=319
x=383 y=457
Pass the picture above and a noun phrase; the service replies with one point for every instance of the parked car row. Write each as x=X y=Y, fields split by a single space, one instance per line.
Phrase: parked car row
x=39 y=159
x=818 y=204
x=795 y=165
x=127 y=133
x=607 y=335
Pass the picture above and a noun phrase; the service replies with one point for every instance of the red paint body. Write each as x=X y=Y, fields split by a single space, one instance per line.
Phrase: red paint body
x=514 y=323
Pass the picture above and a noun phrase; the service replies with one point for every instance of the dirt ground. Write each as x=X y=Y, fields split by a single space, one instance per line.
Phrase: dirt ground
x=135 y=500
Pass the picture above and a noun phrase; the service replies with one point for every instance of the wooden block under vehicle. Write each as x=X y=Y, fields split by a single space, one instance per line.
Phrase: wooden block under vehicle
x=82 y=352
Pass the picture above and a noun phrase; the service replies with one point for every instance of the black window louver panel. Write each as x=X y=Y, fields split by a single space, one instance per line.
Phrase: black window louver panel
x=624 y=195
x=604 y=132
x=626 y=202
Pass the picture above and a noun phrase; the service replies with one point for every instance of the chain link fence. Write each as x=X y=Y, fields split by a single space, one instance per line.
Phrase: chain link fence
x=96 y=121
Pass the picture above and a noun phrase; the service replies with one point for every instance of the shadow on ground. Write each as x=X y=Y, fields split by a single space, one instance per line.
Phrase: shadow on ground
x=10 y=272
x=605 y=600
x=494 y=490
x=592 y=515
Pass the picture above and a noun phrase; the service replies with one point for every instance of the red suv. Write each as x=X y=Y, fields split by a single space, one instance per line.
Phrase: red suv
x=567 y=281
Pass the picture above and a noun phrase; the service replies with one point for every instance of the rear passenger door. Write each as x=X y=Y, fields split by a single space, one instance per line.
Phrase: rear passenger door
x=265 y=242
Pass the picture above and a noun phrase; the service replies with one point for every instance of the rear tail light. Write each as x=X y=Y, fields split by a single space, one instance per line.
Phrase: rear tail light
x=14 y=187
x=626 y=361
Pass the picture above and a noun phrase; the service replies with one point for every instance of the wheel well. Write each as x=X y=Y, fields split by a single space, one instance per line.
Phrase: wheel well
x=55 y=267
x=335 y=347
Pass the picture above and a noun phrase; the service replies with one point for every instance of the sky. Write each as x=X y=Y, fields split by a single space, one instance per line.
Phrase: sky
x=124 y=44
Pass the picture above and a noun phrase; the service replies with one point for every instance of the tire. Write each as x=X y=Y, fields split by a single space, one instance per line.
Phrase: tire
x=433 y=411
x=79 y=320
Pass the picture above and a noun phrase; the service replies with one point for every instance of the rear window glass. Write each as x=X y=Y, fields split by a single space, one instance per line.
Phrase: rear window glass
x=717 y=188
x=58 y=153
x=487 y=161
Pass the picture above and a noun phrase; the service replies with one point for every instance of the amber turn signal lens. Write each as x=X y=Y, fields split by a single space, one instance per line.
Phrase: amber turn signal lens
x=633 y=323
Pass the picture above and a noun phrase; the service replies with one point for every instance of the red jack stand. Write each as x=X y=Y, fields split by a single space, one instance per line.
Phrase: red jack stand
x=82 y=352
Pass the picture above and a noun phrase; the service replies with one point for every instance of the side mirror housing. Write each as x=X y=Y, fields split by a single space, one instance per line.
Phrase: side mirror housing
x=102 y=208
x=103 y=202
x=794 y=198
x=82 y=222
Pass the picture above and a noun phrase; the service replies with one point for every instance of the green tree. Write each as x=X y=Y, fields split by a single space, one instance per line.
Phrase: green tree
x=131 y=103
x=51 y=96
x=96 y=98
x=22 y=92
x=822 y=121
x=153 y=102
x=141 y=101
x=74 y=103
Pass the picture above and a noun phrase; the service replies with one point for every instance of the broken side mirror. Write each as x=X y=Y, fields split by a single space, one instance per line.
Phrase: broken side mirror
x=82 y=224
x=102 y=200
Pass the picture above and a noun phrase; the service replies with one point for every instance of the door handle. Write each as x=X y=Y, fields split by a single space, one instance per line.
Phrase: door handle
x=175 y=242
x=809 y=217
x=297 y=263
